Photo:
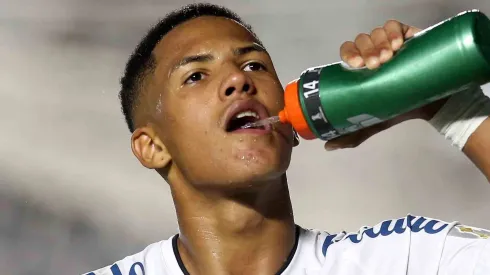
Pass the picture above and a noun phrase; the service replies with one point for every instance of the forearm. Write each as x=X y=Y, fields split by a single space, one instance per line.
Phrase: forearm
x=463 y=120
x=478 y=148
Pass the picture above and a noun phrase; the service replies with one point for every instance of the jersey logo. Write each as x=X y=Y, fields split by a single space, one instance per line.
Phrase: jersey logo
x=468 y=232
x=136 y=269
x=387 y=228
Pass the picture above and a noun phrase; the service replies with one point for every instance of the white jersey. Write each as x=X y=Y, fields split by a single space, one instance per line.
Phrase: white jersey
x=410 y=245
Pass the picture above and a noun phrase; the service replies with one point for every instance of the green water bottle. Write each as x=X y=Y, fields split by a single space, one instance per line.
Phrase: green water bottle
x=333 y=100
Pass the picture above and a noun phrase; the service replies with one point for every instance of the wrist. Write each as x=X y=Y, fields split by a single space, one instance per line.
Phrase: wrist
x=461 y=115
x=426 y=112
x=429 y=111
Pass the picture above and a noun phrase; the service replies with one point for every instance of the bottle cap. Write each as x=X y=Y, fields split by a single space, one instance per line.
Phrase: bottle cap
x=293 y=114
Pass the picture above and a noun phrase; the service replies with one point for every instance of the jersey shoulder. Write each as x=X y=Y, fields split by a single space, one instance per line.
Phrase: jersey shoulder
x=388 y=231
x=144 y=262
x=311 y=243
x=306 y=255
x=393 y=246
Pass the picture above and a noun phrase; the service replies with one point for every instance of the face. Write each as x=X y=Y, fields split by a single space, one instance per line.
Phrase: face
x=211 y=78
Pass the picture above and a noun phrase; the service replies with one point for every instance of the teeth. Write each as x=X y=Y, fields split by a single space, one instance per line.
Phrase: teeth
x=247 y=113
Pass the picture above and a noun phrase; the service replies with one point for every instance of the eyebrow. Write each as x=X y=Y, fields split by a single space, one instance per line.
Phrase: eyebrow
x=193 y=59
x=209 y=57
x=248 y=49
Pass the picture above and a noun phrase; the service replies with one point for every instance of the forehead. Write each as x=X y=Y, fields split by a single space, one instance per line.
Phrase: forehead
x=199 y=35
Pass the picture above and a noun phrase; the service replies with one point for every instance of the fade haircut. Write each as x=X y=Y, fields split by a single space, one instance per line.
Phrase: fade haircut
x=142 y=62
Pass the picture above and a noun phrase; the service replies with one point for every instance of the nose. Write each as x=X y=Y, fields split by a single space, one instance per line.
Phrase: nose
x=236 y=84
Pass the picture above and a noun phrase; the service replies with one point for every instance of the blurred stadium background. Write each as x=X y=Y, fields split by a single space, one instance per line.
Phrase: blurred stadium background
x=72 y=197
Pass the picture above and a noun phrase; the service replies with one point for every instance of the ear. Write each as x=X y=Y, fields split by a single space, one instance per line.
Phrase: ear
x=149 y=149
x=295 y=138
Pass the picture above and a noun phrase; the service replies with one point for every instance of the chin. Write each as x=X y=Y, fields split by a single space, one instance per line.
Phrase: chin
x=250 y=183
x=259 y=162
x=260 y=152
x=249 y=171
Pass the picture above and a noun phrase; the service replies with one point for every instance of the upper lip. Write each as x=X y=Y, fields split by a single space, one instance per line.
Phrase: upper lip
x=242 y=106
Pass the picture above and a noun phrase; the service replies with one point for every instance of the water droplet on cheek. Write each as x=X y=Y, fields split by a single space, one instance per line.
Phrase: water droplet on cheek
x=240 y=140
x=250 y=160
x=159 y=104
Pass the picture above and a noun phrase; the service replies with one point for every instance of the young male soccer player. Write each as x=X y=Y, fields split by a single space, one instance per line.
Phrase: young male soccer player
x=199 y=75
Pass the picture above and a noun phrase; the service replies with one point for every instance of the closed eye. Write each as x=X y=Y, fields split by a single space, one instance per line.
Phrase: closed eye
x=254 y=66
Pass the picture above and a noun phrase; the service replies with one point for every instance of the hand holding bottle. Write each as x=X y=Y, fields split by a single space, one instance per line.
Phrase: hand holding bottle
x=373 y=50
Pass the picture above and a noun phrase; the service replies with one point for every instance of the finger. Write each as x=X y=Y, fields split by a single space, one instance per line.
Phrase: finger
x=396 y=33
x=368 y=51
x=382 y=44
x=347 y=141
x=351 y=55
x=411 y=31
x=355 y=139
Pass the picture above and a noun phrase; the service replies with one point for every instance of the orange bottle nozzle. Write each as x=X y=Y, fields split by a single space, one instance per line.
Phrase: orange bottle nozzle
x=283 y=117
x=293 y=114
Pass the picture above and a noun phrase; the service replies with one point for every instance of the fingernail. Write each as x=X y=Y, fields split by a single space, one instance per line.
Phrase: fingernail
x=357 y=61
x=396 y=43
x=372 y=62
x=331 y=147
x=385 y=54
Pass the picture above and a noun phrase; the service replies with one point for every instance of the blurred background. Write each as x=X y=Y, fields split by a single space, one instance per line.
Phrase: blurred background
x=73 y=198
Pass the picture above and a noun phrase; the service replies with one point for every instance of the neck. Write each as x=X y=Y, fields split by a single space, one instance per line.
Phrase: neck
x=247 y=233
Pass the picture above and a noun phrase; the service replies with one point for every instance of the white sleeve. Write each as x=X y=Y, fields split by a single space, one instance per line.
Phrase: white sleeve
x=412 y=245
x=466 y=251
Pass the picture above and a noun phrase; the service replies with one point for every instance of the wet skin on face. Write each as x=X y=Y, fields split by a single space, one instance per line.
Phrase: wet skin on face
x=205 y=67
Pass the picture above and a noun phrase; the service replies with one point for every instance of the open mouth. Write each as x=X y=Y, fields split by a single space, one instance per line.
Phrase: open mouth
x=243 y=118
x=242 y=112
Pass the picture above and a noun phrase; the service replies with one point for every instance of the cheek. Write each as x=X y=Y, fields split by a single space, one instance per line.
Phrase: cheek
x=273 y=94
x=279 y=100
x=193 y=109
x=199 y=115
x=196 y=126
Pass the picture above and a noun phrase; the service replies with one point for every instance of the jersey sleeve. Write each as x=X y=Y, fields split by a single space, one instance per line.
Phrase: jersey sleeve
x=466 y=251
x=412 y=245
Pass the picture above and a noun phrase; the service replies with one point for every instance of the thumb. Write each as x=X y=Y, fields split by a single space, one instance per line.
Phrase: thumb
x=353 y=140
x=347 y=141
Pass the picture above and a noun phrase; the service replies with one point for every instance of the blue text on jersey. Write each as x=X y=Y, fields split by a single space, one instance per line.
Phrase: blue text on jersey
x=415 y=224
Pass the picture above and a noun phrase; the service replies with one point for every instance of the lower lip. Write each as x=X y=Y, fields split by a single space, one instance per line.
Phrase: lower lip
x=265 y=131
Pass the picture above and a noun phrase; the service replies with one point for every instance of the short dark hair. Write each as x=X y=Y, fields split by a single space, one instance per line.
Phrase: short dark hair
x=142 y=62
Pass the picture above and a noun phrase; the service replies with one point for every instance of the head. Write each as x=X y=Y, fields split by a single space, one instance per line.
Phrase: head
x=194 y=79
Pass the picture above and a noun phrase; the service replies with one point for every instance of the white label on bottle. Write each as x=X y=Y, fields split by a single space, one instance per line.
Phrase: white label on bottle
x=362 y=121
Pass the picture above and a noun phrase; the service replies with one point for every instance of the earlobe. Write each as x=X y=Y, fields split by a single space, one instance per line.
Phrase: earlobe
x=295 y=138
x=149 y=149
